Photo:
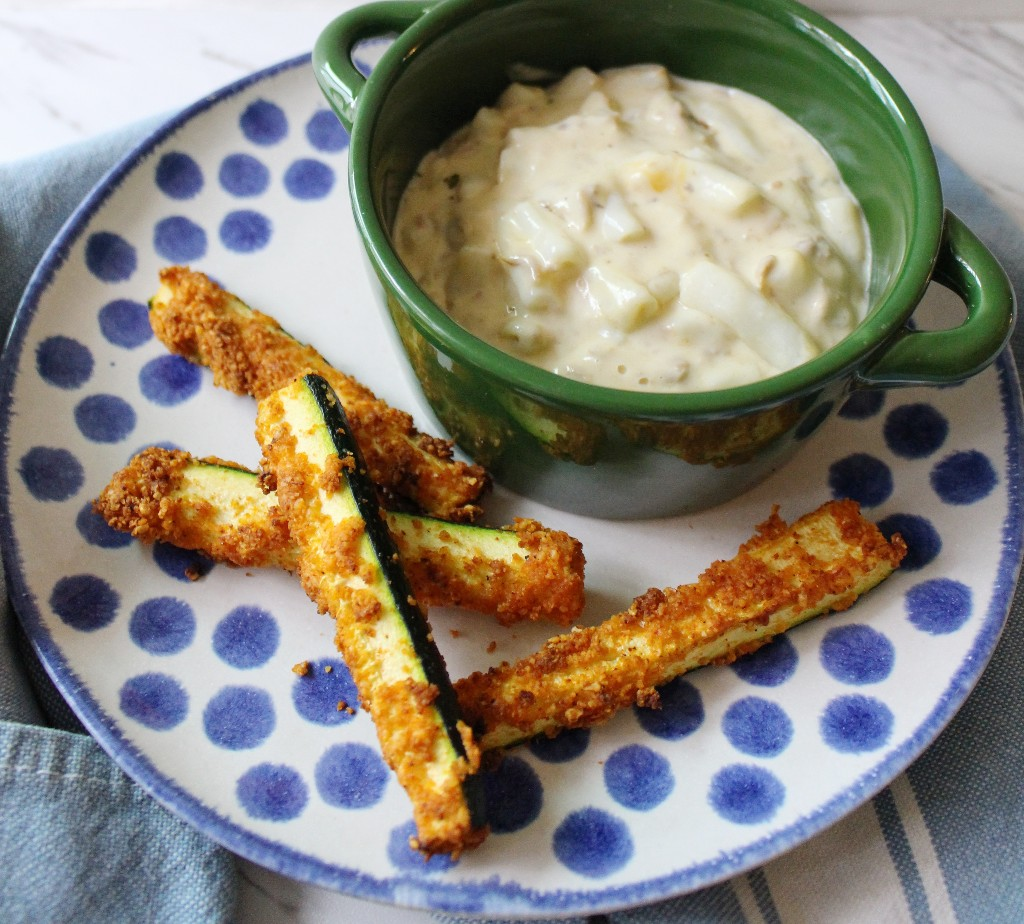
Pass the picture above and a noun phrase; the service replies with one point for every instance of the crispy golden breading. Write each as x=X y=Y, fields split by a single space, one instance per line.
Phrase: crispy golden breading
x=413 y=707
x=541 y=578
x=523 y=572
x=156 y=498
x=781 y=577
x=250 y=353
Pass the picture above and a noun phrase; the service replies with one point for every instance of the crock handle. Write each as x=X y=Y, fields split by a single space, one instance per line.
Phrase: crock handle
x=966 y=267
x=340 y=80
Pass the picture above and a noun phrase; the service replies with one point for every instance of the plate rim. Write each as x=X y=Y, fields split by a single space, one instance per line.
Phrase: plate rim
x=489 y=896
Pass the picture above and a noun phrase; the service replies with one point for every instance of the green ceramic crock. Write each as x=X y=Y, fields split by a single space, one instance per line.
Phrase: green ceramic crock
x=621 y=454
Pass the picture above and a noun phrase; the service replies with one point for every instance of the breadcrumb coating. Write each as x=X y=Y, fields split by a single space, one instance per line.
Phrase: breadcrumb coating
x=413 y=711
x=524 y=572
x=284 y=518
x=781 y=577
x=155 y=498
x=249 y=353
x=542 y=580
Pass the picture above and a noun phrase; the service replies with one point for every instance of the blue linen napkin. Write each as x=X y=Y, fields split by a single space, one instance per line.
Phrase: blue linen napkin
x=79 y=841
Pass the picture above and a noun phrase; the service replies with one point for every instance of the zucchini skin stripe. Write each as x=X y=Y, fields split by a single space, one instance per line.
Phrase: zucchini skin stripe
x=349 y=567
x=386 y=551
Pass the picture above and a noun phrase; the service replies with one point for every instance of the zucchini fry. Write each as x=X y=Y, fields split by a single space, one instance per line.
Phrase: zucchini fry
x=349 y=567
x=781 y=577
x=250 y=353
x=208 y=505
x=219 y=508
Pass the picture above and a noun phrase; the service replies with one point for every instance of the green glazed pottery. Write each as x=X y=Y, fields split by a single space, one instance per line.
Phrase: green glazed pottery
x=621 y=454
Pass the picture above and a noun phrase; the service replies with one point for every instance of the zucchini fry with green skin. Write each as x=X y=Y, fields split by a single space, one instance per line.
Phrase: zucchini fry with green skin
x=349 y=567
x=207 y=505
x=219 y=508
x=249 y=353
x=781 y=577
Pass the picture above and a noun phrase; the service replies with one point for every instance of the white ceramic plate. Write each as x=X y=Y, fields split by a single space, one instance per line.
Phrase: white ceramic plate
x=188 y=684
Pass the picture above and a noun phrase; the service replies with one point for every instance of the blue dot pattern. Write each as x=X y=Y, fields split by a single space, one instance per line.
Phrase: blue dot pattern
x=770 y=665
x=861 y=477
x=964 y=478
x=567 y=745
x=105 y=418
x=155 y=700
x=514 y=795
x=915 y=431
x=593 y=843
x=638 y=777
x=405 y=857
x=272 y=792
x=923 y=540
x=64 y=362
x=162 y=625
x=939 y=606
x=247 y=637
x=862 y=405
x=245 y=231
x=109 y=257
x=169 y=380
x=239 y=717
x=746 y=794
x=680 y=714
x=85 y=602
x=264 y=123
x=243 y=175
x=854 y=724
x=181 y=564
x=179 y=176
x=325 y=694
x=351 y=776
x=125 y=323
x=307 y=178
x=758 y=727
x=51 y=474
x=179 y=239
x=326 y=133
x=857 y=654
x=96 y=531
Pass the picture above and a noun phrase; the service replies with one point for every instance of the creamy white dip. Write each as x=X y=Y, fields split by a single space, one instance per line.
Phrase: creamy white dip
x=639 y=230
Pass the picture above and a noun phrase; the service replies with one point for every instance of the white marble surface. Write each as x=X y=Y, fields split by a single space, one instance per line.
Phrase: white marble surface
x=72 y=69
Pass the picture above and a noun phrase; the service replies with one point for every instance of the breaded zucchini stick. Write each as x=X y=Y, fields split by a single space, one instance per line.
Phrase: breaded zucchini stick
x=348 y=565
x=781 y=577
x=250 y=353
x=219 y=508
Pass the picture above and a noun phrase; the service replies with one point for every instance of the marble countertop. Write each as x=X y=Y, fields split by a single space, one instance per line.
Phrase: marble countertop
x=70 y=70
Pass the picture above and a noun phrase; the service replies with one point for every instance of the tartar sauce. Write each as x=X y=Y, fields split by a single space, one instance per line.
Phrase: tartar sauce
x=639 y=230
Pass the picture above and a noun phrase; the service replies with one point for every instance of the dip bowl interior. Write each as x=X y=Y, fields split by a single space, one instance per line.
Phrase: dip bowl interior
x=621 y=454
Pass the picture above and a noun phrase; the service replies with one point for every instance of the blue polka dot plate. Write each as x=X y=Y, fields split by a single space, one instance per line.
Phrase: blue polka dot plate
x=183 y=670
